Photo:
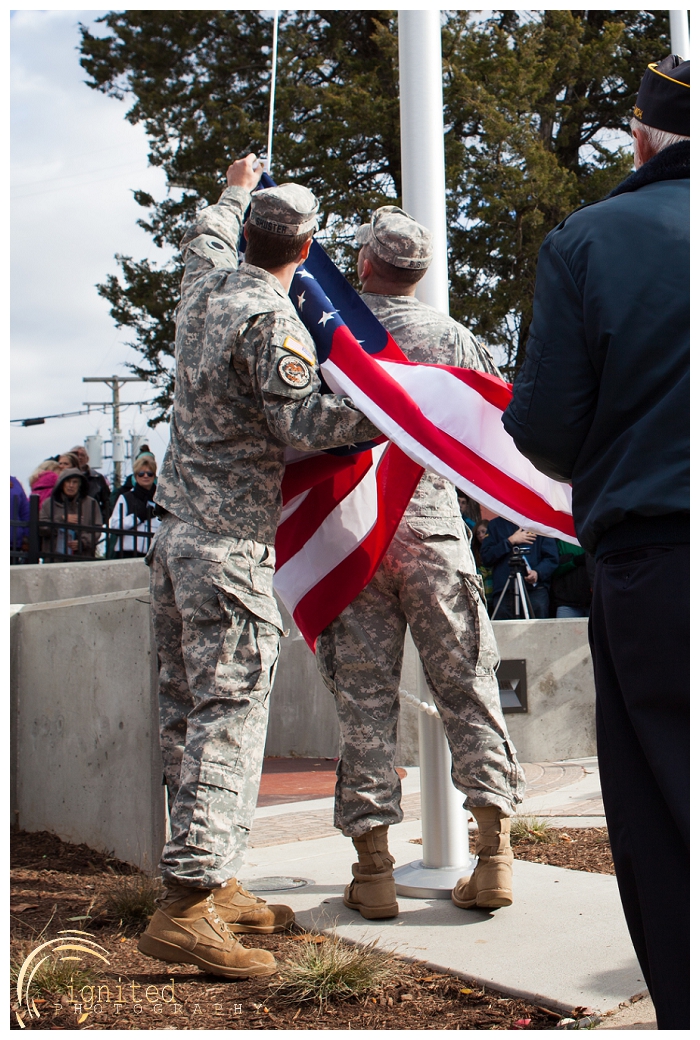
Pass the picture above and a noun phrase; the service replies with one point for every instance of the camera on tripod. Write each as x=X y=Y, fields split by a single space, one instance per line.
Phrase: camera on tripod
x=517 y=561
x=514 y=589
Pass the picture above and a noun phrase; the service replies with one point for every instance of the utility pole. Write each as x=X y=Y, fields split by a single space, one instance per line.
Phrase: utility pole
x=115 y=383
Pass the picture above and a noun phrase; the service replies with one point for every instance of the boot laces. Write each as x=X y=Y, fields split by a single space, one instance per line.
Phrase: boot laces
x=212 y=911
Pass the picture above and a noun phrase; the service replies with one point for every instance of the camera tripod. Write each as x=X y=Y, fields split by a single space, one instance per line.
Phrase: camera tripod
x=522 y=607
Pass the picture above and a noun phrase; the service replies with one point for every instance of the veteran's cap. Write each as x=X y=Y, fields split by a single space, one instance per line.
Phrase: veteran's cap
x=397 y=238
x=664 y=96
x=286 y=209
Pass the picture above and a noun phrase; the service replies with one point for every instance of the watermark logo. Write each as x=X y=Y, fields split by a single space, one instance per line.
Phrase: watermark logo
x=70 y=945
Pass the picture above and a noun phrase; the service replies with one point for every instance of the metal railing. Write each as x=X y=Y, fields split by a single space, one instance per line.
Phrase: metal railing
x=53 y=538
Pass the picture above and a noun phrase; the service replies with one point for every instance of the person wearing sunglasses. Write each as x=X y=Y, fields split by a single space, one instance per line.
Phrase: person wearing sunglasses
x=134 y=512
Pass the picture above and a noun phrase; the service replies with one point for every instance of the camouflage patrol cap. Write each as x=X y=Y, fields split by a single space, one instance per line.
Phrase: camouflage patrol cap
x=286 y=209
x=397 y=238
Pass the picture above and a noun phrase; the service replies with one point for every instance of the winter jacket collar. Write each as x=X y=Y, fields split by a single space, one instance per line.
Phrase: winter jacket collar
x=670 y=164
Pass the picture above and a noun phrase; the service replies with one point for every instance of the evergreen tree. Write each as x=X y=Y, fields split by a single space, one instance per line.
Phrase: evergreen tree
x=534 y=106
x=528 y=99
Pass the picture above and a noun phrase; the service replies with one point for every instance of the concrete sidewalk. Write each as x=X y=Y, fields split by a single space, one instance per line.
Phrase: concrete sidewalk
x=564 y=941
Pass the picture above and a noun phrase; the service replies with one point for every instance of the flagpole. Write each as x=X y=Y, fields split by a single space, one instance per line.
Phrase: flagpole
x=680 y=33
x=444 y=822
x=422 y=142
x=273 y=84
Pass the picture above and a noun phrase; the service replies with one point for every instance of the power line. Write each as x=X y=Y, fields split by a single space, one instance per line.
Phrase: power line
x=72 y=176
x=86 y=184
x=96 y=407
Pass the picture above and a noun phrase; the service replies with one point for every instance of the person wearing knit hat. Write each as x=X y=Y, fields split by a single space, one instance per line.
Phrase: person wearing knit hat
x=602 y=401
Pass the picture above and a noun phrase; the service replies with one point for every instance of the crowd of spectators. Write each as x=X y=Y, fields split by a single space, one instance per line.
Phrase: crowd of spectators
x=77 y=509
x=558 y=575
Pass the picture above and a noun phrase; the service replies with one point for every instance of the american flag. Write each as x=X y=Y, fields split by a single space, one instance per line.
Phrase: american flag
x=341 y=508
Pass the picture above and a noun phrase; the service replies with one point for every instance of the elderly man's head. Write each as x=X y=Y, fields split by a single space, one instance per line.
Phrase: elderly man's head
x=81 y=455
x=662 y=112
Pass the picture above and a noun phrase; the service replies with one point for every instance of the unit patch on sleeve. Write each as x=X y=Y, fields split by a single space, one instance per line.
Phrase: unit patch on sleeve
x=295 y=347
x=293 y=371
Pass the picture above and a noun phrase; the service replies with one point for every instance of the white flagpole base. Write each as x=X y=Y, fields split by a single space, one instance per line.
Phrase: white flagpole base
x=419 y=882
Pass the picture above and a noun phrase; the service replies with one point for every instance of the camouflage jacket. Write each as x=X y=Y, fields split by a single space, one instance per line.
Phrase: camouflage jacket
x=426 y=335
x=246 y=386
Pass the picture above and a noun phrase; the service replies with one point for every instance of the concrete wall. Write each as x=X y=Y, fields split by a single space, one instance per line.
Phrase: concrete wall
x=303 y=720
x=41 y=582
x=560 y=721
x=87 y=762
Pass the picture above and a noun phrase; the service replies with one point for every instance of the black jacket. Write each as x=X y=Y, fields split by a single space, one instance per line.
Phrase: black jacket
x=602 y=399
x=98 y=488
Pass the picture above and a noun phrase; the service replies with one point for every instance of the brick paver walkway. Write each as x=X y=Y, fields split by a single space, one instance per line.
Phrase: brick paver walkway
x=542 y=778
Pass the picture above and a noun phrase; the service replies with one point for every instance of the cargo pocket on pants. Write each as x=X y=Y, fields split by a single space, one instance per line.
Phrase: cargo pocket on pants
x=216 y=798
x=486 y=657
x=249 y=651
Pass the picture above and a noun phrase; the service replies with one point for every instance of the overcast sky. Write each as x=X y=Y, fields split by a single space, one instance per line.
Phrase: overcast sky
x=75 y=162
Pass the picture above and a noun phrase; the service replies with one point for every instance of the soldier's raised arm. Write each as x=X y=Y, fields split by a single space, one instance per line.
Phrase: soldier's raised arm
x=212 y=240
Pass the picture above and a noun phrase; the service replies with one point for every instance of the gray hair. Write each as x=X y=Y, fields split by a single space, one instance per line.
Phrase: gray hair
x=657 y=139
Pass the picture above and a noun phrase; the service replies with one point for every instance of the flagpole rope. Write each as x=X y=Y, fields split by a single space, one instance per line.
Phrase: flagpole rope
x=429 y=709
x=273 y=85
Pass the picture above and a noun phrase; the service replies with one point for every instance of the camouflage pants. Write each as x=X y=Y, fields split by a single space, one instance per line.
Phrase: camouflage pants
x=427 y=579
x=217 y=633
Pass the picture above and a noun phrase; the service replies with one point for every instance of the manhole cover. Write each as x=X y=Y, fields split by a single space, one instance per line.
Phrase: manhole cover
x=274 y=884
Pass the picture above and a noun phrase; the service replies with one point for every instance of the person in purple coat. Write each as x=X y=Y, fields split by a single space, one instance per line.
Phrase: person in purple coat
x=19 y=510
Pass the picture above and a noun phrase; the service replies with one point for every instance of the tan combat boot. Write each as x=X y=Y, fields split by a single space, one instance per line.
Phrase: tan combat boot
x=186 y=929
x=372 y=891
x=491 y=884
x=243 y=912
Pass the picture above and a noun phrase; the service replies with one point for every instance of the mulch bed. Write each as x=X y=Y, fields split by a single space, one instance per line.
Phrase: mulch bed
x=57 y=886
x=577 y=848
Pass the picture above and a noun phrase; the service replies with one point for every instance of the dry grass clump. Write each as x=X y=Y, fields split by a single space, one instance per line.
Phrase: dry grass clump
x=332 y=968
x=55 y=975
x=132 y=900
x=531 y=829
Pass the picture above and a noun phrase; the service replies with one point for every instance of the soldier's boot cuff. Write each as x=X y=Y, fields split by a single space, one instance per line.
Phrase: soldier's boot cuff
x=372 y=849
x=245 y=913
x=190 y=931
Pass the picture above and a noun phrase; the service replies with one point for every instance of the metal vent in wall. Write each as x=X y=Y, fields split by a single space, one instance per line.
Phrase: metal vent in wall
x=512 y=686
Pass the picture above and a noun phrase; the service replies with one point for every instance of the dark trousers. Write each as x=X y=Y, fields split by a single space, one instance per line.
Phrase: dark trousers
x=639 y=635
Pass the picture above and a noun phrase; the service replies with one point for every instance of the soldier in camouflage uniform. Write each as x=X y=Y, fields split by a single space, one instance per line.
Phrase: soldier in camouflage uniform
x=246 y=386
x=427 y=579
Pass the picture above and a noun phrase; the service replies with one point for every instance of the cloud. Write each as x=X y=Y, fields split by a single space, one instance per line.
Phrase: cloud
x=75 y=162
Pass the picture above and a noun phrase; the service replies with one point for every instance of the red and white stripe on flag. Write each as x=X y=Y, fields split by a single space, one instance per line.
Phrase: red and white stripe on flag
x=334 y=531
x=449 y=420
x=339 y=515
